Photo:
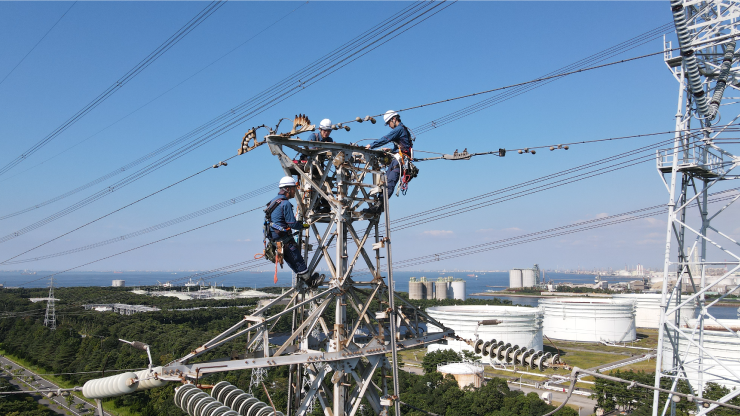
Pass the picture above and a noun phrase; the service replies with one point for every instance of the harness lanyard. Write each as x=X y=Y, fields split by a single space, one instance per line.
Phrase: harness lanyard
x=276 y=262
x=278 y=257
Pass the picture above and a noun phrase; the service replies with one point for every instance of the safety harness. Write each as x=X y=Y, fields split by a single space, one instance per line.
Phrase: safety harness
x=273 y=251
x=408 y=169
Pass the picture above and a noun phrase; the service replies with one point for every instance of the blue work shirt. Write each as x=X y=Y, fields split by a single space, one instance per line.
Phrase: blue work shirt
x=316 y=137
x=399 y=136
x=282 y=216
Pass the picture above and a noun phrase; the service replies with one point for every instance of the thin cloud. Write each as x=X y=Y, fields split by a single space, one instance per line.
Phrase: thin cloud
x=438 y=233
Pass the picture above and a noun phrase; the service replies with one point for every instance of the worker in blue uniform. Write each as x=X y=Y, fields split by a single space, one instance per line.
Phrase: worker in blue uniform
x=401 y=139
x=282 y=223
x=324 y=134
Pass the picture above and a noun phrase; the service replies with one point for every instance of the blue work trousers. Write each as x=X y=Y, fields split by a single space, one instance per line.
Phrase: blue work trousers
x=393 y=174
x=292 y=256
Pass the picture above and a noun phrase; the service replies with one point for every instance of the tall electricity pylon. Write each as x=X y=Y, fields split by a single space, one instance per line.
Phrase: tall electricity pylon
x=346 y=332
x=50 y=319
x=705 y=68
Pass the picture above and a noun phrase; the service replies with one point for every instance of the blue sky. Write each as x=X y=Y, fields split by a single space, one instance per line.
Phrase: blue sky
x=468 y=47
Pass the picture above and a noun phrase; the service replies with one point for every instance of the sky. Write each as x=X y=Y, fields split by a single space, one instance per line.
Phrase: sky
x=465 y=48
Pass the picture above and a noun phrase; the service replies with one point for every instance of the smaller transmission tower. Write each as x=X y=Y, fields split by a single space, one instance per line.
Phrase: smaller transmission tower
x=258 y=376
x=50 y=319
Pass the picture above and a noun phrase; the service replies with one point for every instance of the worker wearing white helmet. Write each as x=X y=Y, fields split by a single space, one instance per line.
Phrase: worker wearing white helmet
x=400 y=136
x=280 y=222
x=323 y=135
x=324 y=132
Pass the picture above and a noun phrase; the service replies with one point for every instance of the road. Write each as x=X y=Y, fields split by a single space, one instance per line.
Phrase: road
x=588 y=405
x=41 y=383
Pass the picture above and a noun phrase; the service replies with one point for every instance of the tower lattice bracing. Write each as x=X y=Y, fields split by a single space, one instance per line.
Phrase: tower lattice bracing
x=700 y=253
x=50 y=318
x=346 y=332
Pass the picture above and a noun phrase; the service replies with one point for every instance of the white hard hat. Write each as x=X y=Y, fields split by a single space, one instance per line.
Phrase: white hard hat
x=287 y=181
x=389 y=115
x=325 y=124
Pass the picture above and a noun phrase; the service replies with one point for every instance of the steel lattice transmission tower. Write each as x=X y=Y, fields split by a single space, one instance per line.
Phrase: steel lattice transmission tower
x=706 y=67
x=50 y=319
x=345 y=333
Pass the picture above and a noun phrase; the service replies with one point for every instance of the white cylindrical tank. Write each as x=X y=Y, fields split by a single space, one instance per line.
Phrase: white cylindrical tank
x=428 y=290
x=457 y=290
x=466 y=373
x=118 y=283
x=416 y=290
x=718 y=342
x=515 y=278
x=518 y=325
x=528 y=278
x=440 y=290
x=112 y=386
x=589 y=319
x=647 y=309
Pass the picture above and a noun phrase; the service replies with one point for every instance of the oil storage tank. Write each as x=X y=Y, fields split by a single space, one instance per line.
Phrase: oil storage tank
x=428 y=288
x=465 y=373
x=721 y=344
x=416 y=289
x=118 y=283
x=529 y=278
x=515 y=278
x=589 y=319
x=647 y=309
x=440 y=289
x=517 y=325
x=458 y=290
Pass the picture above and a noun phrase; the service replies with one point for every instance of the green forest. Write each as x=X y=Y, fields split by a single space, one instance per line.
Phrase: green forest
x=88 y=341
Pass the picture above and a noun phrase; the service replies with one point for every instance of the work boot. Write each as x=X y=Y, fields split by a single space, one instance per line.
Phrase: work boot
x=373 y=209
x=304 y=277
x=316 y=280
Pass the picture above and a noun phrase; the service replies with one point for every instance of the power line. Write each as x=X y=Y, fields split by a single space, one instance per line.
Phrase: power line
x=549 y=233
x=368 y=41
x=416 y=221
x=17 y=233
x=503 y=243
x=296 y=76
x=143 y=245
x=224 y=204
x=141 y=107
x=576 y=67
x=537 y=189
x=142 y=65
x=563 y=145
x=37 y=43
x=618 y=218
x=413 y=220
x=478 y=201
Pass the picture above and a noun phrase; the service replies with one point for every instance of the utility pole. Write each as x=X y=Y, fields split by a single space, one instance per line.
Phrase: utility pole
x=50 y=319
